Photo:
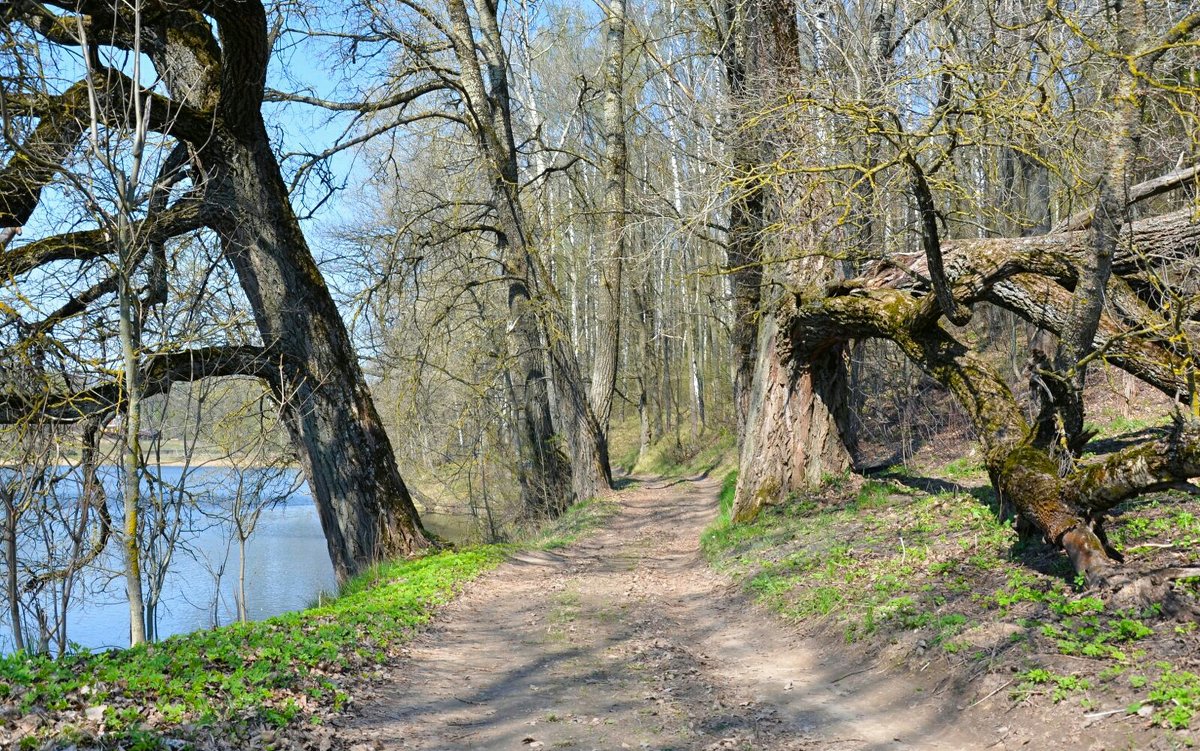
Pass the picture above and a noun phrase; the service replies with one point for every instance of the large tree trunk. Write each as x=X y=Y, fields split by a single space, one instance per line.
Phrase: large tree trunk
x=760 y=52
x=746 y=210
x=608 y=302
x=790 y=437
x=1029 y=275
x=793 y=440
x=591 y=473
x=365 y=508
x=1076 y=337
x=12 y=591
x=745 y=278
x=645 y=371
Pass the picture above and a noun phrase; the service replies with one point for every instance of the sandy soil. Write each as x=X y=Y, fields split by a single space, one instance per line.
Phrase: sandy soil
x=628 y=640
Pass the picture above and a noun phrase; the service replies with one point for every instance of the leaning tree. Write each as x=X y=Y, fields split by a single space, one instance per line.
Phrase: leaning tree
x=1092 y=89
x=91 y=87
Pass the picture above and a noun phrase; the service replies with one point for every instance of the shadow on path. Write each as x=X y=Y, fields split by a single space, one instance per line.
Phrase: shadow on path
x=626 y=639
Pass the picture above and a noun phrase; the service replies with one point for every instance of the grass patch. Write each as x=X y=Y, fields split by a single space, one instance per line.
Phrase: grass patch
x=964 y=468
x=580 y=518
x=236 y=680
x=831 y=558
x=711 y=451
x=285 y=675
x=728 y=490
x=1176 y=697
x=891 y=568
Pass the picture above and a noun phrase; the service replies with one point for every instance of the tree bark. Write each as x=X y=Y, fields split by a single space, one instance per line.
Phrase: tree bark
x=217 y=91
x=131 y=477
x=10 y=564
x=746 y=210
x=794 y=439
x=1110 y=215
x=645 y=372
x=608 y=301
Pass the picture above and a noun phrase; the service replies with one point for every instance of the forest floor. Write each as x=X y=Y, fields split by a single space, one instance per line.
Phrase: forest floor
x=627 y=639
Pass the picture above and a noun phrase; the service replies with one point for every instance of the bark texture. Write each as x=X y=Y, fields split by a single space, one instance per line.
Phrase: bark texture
x=794 y=441
x=758 y=50
x=608 y=313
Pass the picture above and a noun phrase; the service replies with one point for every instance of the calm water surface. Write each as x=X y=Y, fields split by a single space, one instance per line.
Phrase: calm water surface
x=287 y=568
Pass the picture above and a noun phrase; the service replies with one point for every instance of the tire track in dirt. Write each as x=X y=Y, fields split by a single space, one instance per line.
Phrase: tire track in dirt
x=626 y=639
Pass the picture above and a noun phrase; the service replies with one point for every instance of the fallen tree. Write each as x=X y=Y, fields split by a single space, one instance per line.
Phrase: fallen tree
x=1066 y=499
x=904 y=138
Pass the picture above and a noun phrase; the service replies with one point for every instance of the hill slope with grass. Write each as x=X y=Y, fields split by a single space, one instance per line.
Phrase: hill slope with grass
x=913 y=571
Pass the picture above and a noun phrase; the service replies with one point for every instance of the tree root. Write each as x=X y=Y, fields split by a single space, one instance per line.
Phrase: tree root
x=1093 y=557
x=1152 y=589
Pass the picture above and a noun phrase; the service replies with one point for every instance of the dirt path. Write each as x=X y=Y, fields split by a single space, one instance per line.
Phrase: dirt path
x=627 y=640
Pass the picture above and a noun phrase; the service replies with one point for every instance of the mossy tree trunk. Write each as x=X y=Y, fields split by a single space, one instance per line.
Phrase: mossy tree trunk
x=794 y=436
x=1029 y=276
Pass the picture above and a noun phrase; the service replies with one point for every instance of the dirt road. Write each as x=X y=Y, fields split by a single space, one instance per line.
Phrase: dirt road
x=628 y=640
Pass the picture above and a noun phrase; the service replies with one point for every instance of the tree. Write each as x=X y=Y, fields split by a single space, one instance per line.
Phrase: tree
x=791 y=410
x=604 y=365
x=1103 y=280
x=56 y=523
x=456 y=62
x=214 y=89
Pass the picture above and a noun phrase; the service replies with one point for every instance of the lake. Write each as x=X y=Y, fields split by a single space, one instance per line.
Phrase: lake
x=287 y=565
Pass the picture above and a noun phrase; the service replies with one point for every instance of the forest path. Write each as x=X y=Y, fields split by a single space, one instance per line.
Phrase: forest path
x=626 y=639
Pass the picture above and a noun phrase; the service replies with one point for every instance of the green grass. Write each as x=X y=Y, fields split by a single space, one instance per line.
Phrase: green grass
x=1176 y=697
x=574 y=522
x=283 y=672
x=1111 y=423
x=839 y=560
x=245 y=675
x=1059 y=687
x=711 y=451
x=964 y=468
x=728 y=488
x=882 y=564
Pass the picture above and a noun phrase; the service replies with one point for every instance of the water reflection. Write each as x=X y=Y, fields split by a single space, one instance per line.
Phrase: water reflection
x=287 y=562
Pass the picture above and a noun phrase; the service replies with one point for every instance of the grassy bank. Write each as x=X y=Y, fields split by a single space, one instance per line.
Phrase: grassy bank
x=677 y=454
x=914 y=571
x=270 y=684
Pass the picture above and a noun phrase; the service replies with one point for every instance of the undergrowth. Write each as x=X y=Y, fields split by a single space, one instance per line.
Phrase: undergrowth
x=674 y=455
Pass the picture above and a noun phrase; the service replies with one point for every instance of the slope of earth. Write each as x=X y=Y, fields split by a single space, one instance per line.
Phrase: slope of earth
x=626 y=639
x=914 y=573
